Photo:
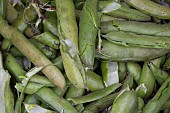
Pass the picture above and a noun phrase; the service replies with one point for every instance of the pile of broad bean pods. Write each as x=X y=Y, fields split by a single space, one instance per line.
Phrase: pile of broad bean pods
x=84 y=56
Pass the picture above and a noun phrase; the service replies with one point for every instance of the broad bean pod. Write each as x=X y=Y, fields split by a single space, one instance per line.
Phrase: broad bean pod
x=129 y=100
x=118 y=10
x=132 y=39
x=114 y=52
x=96 y=94
x=88 y=28
x=134 y=69
x=48 y=39
x=68 y=36
x=160 y=75
x=122 y=70
x=146 y=28
x=161 y=96
x=101 y=104
x=149 y=82
x=150 y=8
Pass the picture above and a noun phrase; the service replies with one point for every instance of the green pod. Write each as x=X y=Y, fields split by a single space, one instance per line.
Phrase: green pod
x=30 y=99
x=15 y=52
x=129 y=100
x=20 y=22
x=166 y=105
x=134 y=69
x=141 y=104
x=114 y=52
x=96 y=94
x=74 y=92
x=79 y=108
x=122 y=70
x=150 y=8
x=72 y=71
x=6 y=95
x=59 y=63
x=11 y=14
x=157 y=62
x=46 y=50
x=88 y=28
x=161 y=96
x=49 y=39
x=128 y=82
x=167 y=64
x=145 y=28
x=50 y=25
x=15 y=69
x=67 y=28
x=31 y=31
x=149 y=82
x=57 y=103
x=94 y=81
x=132 y=39
x=62 y=92
x=109 y=72
x=6 y=44
x=101 y=104
x=120 y=11
x=160 y=75
x=51 y=15
x=31 y=87
x=68 y=36
x=141 y=90
x=3 y=7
